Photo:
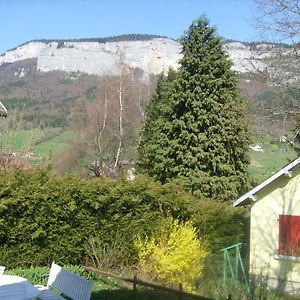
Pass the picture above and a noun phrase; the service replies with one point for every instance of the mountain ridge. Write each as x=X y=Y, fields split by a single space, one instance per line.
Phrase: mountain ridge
x=151 y=53
x=152 y=56
x=116 y=38
x=45 y=79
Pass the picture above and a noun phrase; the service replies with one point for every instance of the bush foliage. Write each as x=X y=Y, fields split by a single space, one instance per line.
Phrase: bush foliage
x=173 y=255
x=39 y=275
x=45 y=217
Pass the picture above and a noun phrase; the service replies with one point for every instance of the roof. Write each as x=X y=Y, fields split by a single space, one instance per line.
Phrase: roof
x=251 y=194
x=3 y=110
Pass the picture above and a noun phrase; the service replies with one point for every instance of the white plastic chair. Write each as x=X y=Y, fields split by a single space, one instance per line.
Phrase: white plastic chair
x=70 y=284
x=2 y=268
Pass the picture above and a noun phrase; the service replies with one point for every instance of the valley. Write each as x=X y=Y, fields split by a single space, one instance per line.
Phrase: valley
x=53 y=84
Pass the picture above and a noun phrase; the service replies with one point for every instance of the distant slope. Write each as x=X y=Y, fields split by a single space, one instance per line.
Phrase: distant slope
x=44 y=78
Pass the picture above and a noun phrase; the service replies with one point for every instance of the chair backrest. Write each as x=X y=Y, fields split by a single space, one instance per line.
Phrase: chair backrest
x=70 y=284
x=54 y=271
x=2 y=269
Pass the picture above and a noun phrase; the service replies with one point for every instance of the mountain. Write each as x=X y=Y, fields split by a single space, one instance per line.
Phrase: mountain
x=45 y=77
x=151 y=54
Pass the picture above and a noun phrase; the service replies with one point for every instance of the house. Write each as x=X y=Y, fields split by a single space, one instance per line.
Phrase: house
x=275 y=228
x=3 y=110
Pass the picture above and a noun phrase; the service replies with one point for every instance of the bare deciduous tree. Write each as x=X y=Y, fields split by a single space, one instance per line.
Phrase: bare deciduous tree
x=279 y=22
x=279 y=19
x=107 y=129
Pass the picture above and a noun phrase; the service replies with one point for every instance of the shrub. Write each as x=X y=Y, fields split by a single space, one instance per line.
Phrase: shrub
x=220 y=224
x=173 y=255
x=35 y=275
x=39 y=275
x=274 y=148
x=45 y=218
x=109 y=256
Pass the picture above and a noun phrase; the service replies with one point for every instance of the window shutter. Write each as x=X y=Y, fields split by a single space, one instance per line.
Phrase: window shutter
x=289 y=235
x=295 y=235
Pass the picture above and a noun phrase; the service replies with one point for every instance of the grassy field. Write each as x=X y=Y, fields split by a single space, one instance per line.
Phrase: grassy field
x=44 y=143
x=24 y=138
x=54 y=144
x=264 y=164
x=274 y=157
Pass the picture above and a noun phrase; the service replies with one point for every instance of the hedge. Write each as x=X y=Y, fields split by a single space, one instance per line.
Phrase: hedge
x=45 y=217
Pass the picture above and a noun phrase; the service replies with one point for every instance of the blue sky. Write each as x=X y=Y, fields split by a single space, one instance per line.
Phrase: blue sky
x=23 y=20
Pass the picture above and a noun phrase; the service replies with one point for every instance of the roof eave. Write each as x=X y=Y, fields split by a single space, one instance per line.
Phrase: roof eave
x=284 y=171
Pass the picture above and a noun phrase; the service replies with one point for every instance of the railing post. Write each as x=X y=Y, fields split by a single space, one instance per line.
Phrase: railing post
x=134 y=282
x=237 y=251
x=180 y=291
x=224 y=269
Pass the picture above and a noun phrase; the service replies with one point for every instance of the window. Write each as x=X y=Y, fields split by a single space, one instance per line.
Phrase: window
x=289 y=235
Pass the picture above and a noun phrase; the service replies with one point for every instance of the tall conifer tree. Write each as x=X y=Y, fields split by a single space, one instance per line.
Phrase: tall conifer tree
x=195 y=130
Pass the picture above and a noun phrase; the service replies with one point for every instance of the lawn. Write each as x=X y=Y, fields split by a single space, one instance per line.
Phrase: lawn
x=122 y=293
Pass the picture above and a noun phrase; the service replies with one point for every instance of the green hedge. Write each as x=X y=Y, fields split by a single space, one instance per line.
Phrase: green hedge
x=45 y=218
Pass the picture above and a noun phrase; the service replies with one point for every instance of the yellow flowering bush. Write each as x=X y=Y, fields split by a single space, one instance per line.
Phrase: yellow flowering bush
x=173 y=255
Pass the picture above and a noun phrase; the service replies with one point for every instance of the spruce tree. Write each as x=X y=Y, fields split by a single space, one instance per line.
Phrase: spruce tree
x=154 y=142
x=195 y=130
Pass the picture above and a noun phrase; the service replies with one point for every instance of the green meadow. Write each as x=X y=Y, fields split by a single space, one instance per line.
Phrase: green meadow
x=265 y=163
x=55 y=144
x=273 y=157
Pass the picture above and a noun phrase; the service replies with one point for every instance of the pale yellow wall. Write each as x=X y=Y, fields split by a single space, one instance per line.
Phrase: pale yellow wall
x=281 y=197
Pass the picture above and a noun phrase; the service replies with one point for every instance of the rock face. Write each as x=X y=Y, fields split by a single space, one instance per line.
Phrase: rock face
x=245 y=59
x=153 y=56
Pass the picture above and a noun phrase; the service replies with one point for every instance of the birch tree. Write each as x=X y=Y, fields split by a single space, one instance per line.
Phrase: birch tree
x=108 y=128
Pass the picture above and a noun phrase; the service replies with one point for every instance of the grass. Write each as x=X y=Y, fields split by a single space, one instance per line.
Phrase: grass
x=274 y=157
x=52 y=145
x=25 y=140
x=211 y=286
x=19 y=140
x=263 y=164
x=123 y=293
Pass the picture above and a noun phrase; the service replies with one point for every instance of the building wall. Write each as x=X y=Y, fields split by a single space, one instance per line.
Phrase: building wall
x=281 y=197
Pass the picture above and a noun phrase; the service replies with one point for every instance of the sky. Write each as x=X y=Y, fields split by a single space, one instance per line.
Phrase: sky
x=24 y=20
